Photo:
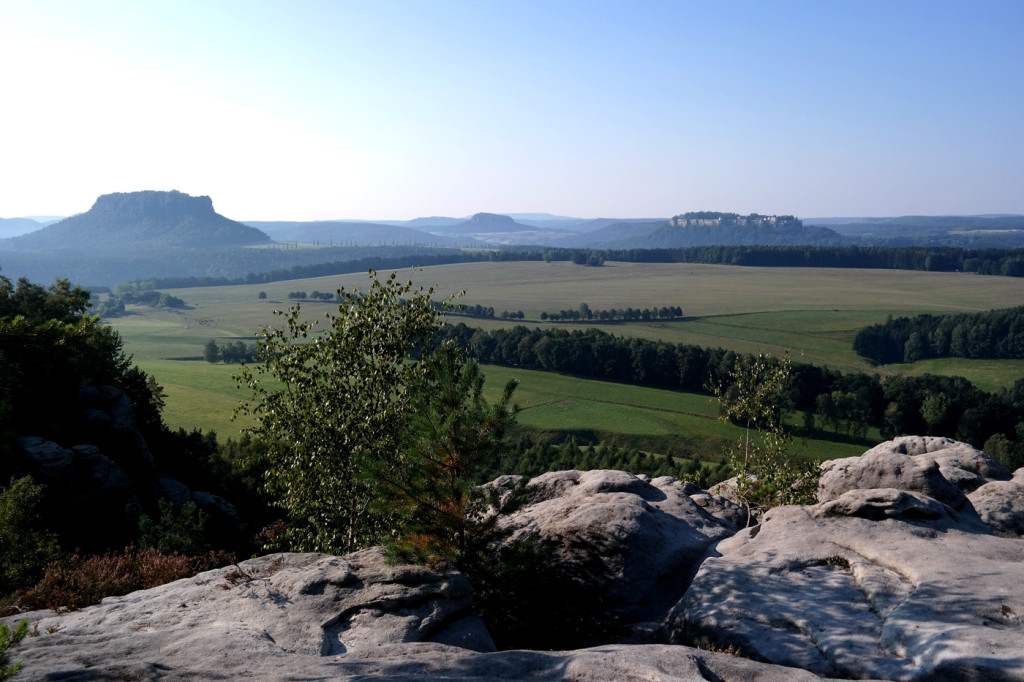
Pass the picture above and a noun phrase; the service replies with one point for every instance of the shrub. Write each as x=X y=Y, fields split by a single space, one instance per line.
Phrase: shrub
x=25 y=548
x=83 y=581
x=7 y=640
x=177 y=531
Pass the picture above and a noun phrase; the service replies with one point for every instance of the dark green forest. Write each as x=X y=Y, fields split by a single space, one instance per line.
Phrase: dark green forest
x=997 y=334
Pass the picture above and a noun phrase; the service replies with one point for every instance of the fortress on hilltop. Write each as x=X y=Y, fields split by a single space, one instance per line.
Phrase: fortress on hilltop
x=714 y=219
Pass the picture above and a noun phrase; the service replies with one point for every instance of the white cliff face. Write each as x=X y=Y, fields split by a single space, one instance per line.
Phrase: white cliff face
x=908 y=568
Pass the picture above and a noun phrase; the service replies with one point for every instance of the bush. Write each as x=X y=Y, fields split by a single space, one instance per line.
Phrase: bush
x=83 y=581
x=25 y=548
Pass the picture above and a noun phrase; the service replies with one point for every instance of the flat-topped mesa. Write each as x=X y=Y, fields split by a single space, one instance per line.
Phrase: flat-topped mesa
x=128 y=221
x=715 y=219
x=153 y=204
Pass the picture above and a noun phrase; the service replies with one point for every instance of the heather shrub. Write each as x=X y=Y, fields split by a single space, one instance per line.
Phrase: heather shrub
x=82 y=581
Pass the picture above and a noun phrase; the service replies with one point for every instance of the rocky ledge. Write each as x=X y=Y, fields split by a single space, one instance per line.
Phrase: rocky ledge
x=908 y=568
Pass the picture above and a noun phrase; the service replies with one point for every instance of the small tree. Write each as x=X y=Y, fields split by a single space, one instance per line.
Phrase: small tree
x=25 y=548
x=331 y=406
x=211 y=351
x=755 y=399
x=451 y=431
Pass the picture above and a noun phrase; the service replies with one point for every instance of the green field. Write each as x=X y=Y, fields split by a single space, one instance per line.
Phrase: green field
x=813 y=313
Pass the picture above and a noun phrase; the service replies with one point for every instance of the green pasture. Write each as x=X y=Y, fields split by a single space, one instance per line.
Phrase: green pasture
x=813 y=313
x=657 y=419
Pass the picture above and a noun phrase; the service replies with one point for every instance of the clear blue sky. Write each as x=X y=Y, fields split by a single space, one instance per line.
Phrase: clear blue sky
x=307 y=110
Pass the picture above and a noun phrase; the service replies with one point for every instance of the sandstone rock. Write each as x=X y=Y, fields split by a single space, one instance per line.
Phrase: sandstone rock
x=909 y=590
x=885 y=503
x=940 y=468
x=81 y=486
x=1000 y=504
x=316 y=617
x=621 y=549
x=228 y=620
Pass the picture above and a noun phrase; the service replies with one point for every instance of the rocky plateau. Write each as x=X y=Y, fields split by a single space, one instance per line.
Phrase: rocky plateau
x=909 y=567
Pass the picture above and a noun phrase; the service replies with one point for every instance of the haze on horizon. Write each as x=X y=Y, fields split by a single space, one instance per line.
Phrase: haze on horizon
x=328 y=110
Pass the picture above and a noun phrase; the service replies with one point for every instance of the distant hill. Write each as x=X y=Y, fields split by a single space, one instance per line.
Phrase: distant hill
x=12 y=227
x=353 y=233
x=706 y=228
x=492 y=228
x=615 y=234
x=128 y=221
x=584 y=224
x=983 y=231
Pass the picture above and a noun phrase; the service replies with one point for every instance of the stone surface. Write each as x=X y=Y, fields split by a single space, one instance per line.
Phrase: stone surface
x=879 y=579
x=305 y=604
x=315 y=617
x=308 y=616
x=111 y=469
x=883 y=582
x=1000 y=504
x=622 y=547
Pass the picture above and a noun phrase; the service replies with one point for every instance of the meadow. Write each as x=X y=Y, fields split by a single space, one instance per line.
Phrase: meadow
x=813 y=313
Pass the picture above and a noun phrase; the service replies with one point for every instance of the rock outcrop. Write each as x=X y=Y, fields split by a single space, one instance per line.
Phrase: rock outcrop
x=316 y=617
x=899 y=580
x=107 y=470
x=908 y=568
x=618 y=547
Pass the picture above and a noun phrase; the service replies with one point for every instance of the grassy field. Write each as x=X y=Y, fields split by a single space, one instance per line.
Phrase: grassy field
x=813 y=313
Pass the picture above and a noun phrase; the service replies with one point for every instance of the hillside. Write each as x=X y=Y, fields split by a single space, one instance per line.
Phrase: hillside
x=140 y=221
x=12 y=227
x=973 y=232
x=493 y=228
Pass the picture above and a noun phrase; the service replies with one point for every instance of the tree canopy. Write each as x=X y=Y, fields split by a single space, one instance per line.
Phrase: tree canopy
x=364 y=417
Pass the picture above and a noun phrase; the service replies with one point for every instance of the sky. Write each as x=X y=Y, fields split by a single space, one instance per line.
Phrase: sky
x=317 y=110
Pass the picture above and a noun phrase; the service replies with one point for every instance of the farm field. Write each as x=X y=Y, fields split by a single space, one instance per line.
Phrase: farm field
x=813 y=313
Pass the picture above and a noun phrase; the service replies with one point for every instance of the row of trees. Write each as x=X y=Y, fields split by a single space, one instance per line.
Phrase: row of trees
x=315 y=296
x=232 y=352
x=584 y=313
x=993 y=334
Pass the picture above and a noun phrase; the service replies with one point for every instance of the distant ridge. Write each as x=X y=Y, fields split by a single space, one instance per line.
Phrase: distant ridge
x=352 y=232
x=140 y=220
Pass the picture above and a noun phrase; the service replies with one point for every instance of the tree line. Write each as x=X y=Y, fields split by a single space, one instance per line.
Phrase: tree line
x=584 y=313
x=995 y=334
x=1006 y=262
x=232 y=352
x=843 y=403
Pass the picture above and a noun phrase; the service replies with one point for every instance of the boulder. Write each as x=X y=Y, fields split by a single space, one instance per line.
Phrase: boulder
x=259 y=612
x=1000 y=504
x=618 y=550
x=880 y=579
x=888 y=466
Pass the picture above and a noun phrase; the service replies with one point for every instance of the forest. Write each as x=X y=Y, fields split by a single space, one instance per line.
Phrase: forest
x=995 y=334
